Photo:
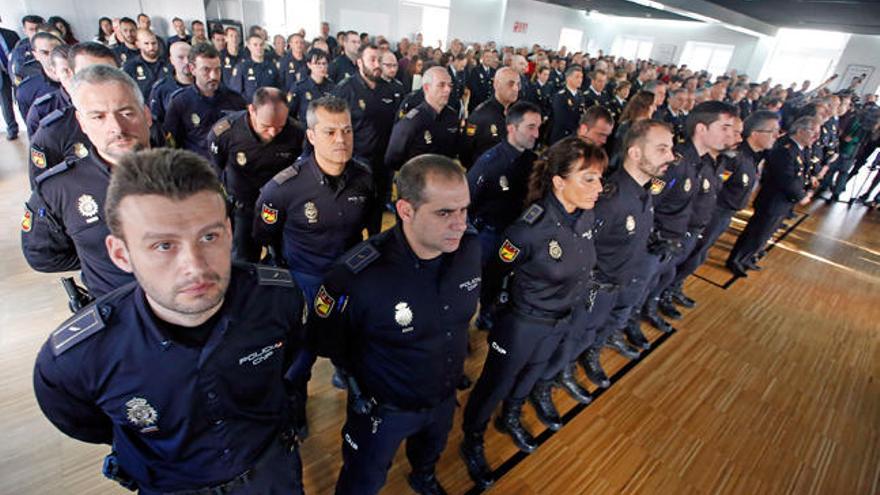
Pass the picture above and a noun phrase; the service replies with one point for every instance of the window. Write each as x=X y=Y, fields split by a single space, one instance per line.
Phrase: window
x=710 y=57
x=804 y=55
x=632 y=47
x=285 y=17
x=571 y=39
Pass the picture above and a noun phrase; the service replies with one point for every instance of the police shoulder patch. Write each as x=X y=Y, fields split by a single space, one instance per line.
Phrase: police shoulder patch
x=286 y=174
x=270 y=275
x=532 y=214
x=78 y=328
x=53 y=171
x=361 y=257
x=43 y=99
x=51 y=118
x=221 y=126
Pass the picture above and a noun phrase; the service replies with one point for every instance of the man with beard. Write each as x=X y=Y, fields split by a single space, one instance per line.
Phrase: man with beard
x=294 y=65
x=160 y=95
x=148 y=67
x=254 y=71
x=64 y=224
x=345 y=65
x=127 y=35
x=182 y=371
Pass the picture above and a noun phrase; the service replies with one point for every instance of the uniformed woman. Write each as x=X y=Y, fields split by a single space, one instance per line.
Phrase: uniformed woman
x=548 y=255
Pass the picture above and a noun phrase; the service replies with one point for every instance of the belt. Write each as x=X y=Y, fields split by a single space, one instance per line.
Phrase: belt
x=235 y=483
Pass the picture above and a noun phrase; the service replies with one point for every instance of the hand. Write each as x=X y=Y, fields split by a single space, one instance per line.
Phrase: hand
x=807 y=199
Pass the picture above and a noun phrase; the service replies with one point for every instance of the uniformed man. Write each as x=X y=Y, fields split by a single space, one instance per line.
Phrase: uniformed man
x=390 y=67
x=248 y=148
x=314 y=86
x=595 y=94
x=21 y=58
x=43 y=82
x=160 y=95
x=486 y=126
x=480 y=81
x=231 y=55
x=595 y=126
x=346 y=65
x=373 y=104
x=181 y=372
x=255 y=71
x=676 y=114
x=394 y=315
x=568 y=104
x=59 y=135
x=179 y=31
x=557 y=74
x=64 y=224
x=58 y=99
x=128 y=48
x=199 y=34
x=294 y=64
x=749 y=104
x=193 y=110
x=8 y=39
x=617 y=103
x=431 y=127
x=541 y=92
x=459 y=79
x=148 y=67
x=782 y=187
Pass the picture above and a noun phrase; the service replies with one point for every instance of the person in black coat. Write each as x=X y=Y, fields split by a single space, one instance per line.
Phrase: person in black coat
x=8 y=40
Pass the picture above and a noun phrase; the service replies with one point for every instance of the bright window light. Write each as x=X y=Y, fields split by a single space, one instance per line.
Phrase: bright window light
x=571 y=39
x=804 y=55
x=285 y=17
x=710 y=57
x=632 y=47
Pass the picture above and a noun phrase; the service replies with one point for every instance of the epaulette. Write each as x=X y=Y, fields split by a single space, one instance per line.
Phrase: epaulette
x=471 y=229
x=270 y=275
x=78 y=328
x=412 y=113
x=362 y=165
x=532 y=214
x=361 y=256
x=51 y=118
x=178 y=91
x=221 y=126
x=53 y=171
x=43 y=99
x=561 y=91
x=286 y=174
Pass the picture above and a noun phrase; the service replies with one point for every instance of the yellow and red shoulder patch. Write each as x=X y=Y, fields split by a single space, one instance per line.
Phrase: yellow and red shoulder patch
x=508 y=252
x=726 y=175
x=657 y=186
x=323 y=303
x=27 y=221
x=471 y=130
x=269 y=215
x=38 y=158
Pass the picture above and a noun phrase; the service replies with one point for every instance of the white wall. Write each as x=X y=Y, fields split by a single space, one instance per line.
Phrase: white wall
x=861 y=50
x=476 y=20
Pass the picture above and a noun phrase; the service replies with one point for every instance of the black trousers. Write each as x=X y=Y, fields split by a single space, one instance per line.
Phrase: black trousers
x=719 y=223
x=6 y=104
x=758 y=231
x=244 y=248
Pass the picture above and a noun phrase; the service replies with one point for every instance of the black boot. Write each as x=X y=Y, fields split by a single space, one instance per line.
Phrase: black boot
x=425 y=483
x=667 y=307
x=679 y=297
x=633 y=332
x=569 y=383
x=474 y=457
x=510 y=422
x=649 y=314
x=542 y=400
x=593 y=368
x=618 y=343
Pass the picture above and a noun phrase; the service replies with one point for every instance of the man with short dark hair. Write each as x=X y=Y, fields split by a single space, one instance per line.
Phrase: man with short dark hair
x=20 y=55
x=148 y=67
x=179 y=31
x=294 y=65
x=568 y=104
x=594 y=95
x=198 y=32
x=314 y=86
x=127 y=46
x=480 y=81
x=43 y=82
x=595 y=126
x=393 y=315
x=346 y=65
x=231 y=55
x=58 y=70
x=255 y=71
x=182 y=371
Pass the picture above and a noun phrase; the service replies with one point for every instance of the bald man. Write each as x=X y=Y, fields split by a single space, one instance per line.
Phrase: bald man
x=147 y=67
x=181 y=76
x=485 y=126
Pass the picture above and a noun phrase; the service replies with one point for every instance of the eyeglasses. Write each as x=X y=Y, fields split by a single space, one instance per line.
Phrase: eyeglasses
x=767 y=131
x=389 y=65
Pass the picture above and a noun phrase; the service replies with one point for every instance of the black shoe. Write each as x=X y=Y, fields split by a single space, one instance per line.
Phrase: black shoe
x=667 y=307
x=737 y=269
x=593 y=368
x=425 y=484
x=752 y=265
x=618 y=343
x=338 y=381
x=761 y=254
x=650 y=315
x=569 y=383
x=474 y=456
x=510 y=422
x=542 y=400
x=633 y=332
x=679 y=297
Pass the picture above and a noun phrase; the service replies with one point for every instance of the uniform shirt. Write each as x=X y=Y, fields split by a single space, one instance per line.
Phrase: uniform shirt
x=31 y=89
x=190 y=116
x=498 y=183
x=542 y=96
x=409 y=102
x=372 y=115
x=43 y=106
x=145 y=74
x=228 y=62
x=313 y=217
x=58 y=137
x=292 y=70
x=245 y=162
x=175 y=38
x=624 y=219
x=160 y=96
x=615 y=107
x=421 y=131
x=674 y=194
x=592 y=97
x=782 y=179
x=567 y=109
x=304 y=92
x=552 y=256
x=708 y=184
x=484 y=129
x=739 y=178
x=556 y=80
x=124 y=53
x=458 y=85
x=341 y=68
x=178 y=416
x=746 y=107
x=399 y=324
x=64 y=225
x=479 y=81
x=21 y=61
x=678 y=121
x=248 y=76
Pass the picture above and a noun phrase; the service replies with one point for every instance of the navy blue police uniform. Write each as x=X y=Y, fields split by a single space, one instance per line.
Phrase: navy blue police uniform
x=22 y=63
x=567 y=109
x=292 y=70
x=145 y=74
x=485 y=127
x=410 y=101
x=190 y=116
x=43 y=106
x=31 y=88
x=342 y=68
x=124 y=53
x=479 y=82
x=160 y=96
x=249 y=75
x=459 y=82
x=303 y=93
x=228 y=62
x=423 y=130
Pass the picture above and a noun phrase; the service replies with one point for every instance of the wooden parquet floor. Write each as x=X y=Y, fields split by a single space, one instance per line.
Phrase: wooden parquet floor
x=769 y=386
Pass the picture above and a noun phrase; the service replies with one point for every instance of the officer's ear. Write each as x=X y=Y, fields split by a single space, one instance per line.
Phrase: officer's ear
x=310 y=134
x=118 y=252
x=148 y=116
x=405 y=210
x=634 y=153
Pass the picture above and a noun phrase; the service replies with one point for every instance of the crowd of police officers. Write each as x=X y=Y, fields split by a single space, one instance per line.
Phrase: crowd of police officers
x=221 y=263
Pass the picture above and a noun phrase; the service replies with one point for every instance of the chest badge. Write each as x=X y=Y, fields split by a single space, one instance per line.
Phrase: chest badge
x=241 y=158
x=80 y=150
x=309 y=95
x=141 y=414
x=403 y=316
x=311 y=212
x=494 y=130
x=706 y=185
x=362 y=104
x=428 y=138
x=687 y=185
x=502 y=181
x=630 y=223
x=570 y=103
x=140 y=72
x=555 y=250
x=87 y=207
x=745 y=179
x=196 y=120
x=227 y=63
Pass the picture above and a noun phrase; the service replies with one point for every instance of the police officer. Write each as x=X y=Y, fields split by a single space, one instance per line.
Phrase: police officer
x=676 y=114
x=431 y=127
x=568 y=104
x=231 y=54
x=43 y=82
x=21 y=58
x=193 y=110
x=160 y=94
x=128 y=48
x=347 y=66
x=248 y=148
x=541 y=92
x=485 y=126
x=596 y=124
x=782 y=186
x=148 y=67
x=294 y=64
x=595 y=94
x=480 y=81
x=557 y=74
x=179 y=32
x=624 y=221
x=59 y=135
x=182 y=371
x=550 y=251
x=617 y=103
x=393 y=313
x=457 y=72
x=373 y=104
x=312 y=87
x=58 y=99
x=255 y=71
x=64 y=225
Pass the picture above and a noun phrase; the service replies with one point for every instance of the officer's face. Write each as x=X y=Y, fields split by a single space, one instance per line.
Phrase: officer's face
x=654 y=154
x=678 y=100
x=144 y=22
x=352 y=44
x=597 y=133
x=524 y=134
x=219 y=41
x=318 y=68
x=42 y=49
x=179 y=57
x=148 y=46
x=438 y=91
x=544 y=75
x=199 y=31
x=718 y=135
x=581 y=187
x=109 y=114
x=369 y=65
x=736 y=136
x=599 y=81
x=279 y=44
x=389 y=66
x=128 y=31
x=255 y=47
x=30 y=29
x=207 y=74
x=179 y=28
x=574 y=80
x=268 y=120
x=332 y=137
x=506 y=86
x=297 y=45
x=179 y=251
x=439 y=223
x=232 y=38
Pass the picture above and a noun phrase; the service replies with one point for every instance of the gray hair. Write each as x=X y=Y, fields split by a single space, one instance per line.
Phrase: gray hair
x=103 y=74
x=428 y=76
x=331 y=104
x=802 y=124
